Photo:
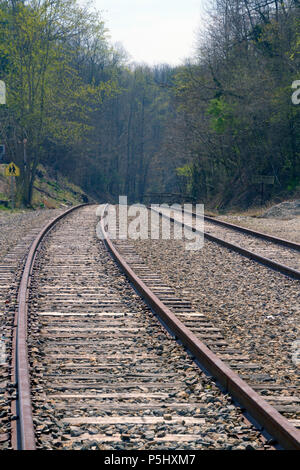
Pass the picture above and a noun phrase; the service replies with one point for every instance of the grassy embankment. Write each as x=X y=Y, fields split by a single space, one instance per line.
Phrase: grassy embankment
x=49 y=192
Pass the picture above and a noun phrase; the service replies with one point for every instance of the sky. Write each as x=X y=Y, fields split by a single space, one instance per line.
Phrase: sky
x=153 y=31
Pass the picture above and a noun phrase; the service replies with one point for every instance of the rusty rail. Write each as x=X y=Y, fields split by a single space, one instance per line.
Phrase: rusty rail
x=23 y=437
x=264 y=414
x=254 y=233
x=294 y=273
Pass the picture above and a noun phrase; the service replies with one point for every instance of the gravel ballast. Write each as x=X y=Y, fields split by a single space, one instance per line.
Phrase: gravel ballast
x=17 y=232
x=256 y=308
x=117 y=380
x=14 y=226
x=281 y=228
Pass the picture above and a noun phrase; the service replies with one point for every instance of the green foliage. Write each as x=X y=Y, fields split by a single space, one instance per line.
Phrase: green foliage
x=186 y=172
x=293 y=184
x=221 y=113
x=234 y=101
x=75 y=105
x=3 y=197
x=51 y=93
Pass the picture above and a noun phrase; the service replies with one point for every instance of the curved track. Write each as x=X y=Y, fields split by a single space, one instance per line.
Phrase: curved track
x=258 y=408
x=281 y=255
x=254 y=233
x=23 y=433
x=79 y=342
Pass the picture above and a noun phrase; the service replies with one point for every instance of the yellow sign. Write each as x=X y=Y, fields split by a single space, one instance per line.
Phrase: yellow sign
x=12 y=170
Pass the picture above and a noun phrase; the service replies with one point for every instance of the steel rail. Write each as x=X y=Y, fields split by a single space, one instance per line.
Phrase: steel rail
x=254 y=233
x=265 y=414
x=294 y=273
x=25 y=438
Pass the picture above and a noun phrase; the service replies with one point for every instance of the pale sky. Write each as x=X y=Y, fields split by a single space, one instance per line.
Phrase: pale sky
x=153 y=31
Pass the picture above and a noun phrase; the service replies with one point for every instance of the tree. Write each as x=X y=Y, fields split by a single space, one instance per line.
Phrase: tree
x=48 y=96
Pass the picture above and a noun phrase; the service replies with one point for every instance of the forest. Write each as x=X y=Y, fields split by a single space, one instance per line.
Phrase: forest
x=203 y=131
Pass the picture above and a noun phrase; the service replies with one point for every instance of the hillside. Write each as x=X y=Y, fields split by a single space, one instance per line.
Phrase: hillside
x=51 y=190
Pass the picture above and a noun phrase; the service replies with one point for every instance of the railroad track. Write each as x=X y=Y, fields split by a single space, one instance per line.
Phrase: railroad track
x=10 y=270
x=11 y=266
x=276 y=253
x=253 y=233
x=105 y=373
x=283 y=396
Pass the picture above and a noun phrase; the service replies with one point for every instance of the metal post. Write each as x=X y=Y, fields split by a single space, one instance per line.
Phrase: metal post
x=12 y=192
x=24 y=154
